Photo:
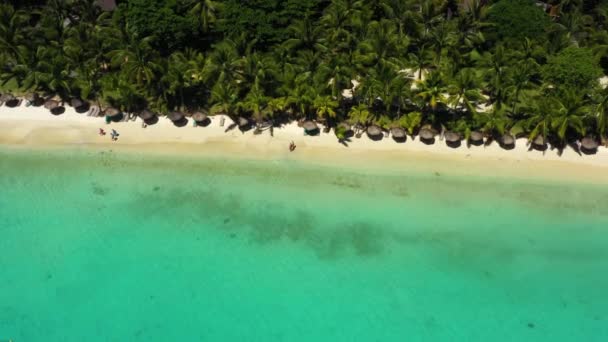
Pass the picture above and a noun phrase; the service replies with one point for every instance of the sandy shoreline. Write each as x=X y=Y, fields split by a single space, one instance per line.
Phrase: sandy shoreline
x=36 y=128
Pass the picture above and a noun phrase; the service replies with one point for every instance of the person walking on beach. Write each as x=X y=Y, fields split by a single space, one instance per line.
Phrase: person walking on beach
x=292 y=146
x=102 y=132
x=114 y=135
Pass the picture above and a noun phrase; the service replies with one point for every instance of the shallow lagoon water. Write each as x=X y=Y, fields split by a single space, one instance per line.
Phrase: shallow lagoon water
x=99 y=246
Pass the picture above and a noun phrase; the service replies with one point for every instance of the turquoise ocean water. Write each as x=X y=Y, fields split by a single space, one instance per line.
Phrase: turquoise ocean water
x=103 y=247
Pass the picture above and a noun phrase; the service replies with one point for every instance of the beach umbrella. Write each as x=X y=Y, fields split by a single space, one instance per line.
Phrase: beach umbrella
x=426 y=134
x=51 y=104
x=452 y=137
x=77 y=103
x=398 y=132
x=6 y=97
x=588 y=143
x=199 y=117
x=243 y=121
x=476 y=136
x=374 y=131
x=146 y=114
x=111 y=112
x=32 y=97
x=539 y=140
x=175 y=116
x=309 y=125
x=507 y=139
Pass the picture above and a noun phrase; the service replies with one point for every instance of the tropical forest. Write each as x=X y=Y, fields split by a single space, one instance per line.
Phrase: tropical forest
x=466 y=69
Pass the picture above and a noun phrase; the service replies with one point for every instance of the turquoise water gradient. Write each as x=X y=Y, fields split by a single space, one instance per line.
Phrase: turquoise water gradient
x=104 y=247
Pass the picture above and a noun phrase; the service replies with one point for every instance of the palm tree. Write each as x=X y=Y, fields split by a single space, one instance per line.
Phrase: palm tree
x=382 y=43
x=137 y=60
x=492 y=123
x=277 y=106
x=407 y=19
x=304 y=34
x=256 y=102
x=421 y=59
x=12 y=33
x=465 y=88
x=256 y=70
x=521 y=79
x=326 y=107
x=222 y=64
x=432 y=91
x=224 y=98
x=206 y=12
x=571 y=108
x=601 y=114
x=410 y=122
x=337 y=74
x=441 y=38
x=360 y=114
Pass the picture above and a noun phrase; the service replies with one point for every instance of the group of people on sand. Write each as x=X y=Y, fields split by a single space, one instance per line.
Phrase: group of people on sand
x=114 y=134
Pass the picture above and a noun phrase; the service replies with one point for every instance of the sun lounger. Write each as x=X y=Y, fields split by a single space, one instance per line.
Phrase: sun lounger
x=93 y=111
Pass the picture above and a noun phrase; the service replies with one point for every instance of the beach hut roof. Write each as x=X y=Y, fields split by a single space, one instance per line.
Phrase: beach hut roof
x=452 y=136
x=374 y=130
x=175 y=116
x=398 y=132
x=6 y=97
x=77 y=103
x=146 y=114
x=51 y=104
x=199 y=116
x=476 y=136
x=310 y=125
x=111 y=112
x=426 y=133
x=507 y=139
x=243 y=121
x=31 y=97
x=539 y=140
x=589 y=143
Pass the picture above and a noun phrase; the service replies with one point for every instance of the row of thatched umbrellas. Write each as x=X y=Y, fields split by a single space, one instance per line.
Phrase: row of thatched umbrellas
x=372 y=131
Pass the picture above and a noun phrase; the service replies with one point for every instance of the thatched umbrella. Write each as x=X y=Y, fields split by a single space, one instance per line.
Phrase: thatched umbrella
x=76 y=103
x=539 y=140
x=146 y=114
x=6 y=97
x=452 y=137
x=589 y=143
x=243 y=122
x=111 y=112
x=32 y=97
x=199 y=117
x=426 y=134
x=310 y=125
x=51 y=104
x=507 y=139
x=175 y=116
x=476 y=136
x=398 y=132
x=374 y=131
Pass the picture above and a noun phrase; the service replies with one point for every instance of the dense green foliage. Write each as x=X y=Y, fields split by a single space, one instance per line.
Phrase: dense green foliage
x=168 y=21
x=572 y=67
x=494 y=67
x=518 y=19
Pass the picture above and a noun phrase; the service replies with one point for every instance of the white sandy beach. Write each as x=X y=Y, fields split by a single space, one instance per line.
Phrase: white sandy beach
x=35 y=127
